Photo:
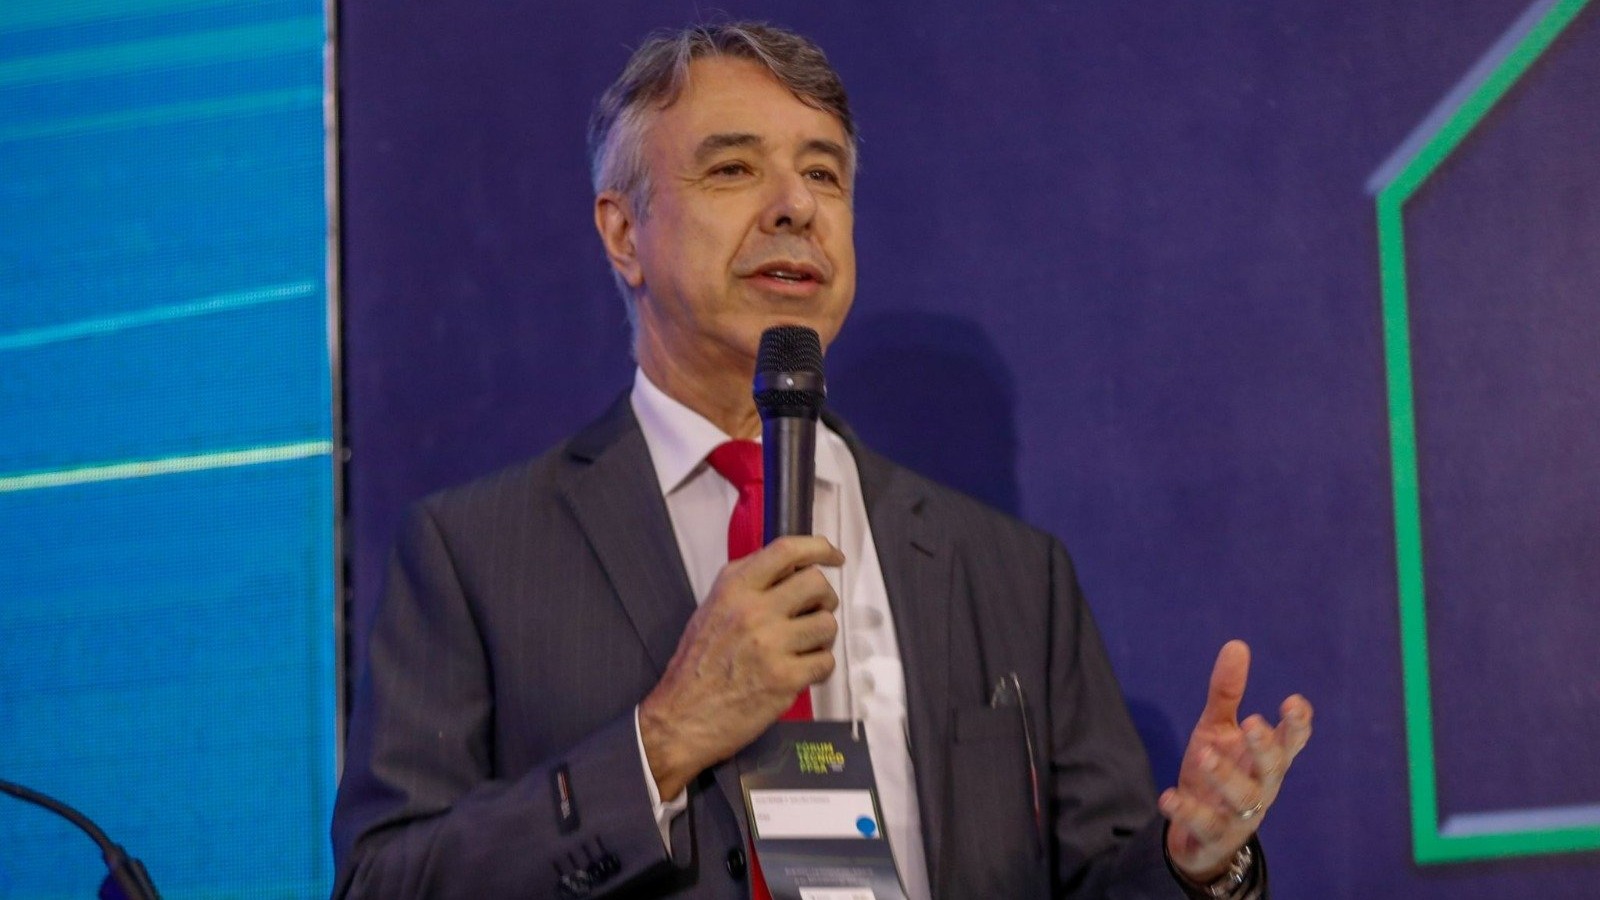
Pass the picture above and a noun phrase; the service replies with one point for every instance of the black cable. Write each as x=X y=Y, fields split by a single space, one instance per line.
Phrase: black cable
x=126 y=878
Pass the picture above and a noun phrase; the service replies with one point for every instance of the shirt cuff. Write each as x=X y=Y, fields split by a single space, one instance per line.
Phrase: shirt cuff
x=665 y=810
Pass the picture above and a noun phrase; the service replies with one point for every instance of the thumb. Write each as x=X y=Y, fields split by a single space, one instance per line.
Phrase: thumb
x=1228 y=679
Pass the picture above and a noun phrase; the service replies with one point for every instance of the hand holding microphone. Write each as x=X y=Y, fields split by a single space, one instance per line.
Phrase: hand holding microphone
x=765 y=631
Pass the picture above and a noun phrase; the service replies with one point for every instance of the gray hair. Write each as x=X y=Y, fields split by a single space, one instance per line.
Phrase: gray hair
x=655 y=77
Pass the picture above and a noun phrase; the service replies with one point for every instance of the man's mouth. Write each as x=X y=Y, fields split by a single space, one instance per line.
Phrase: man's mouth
x=790 y=273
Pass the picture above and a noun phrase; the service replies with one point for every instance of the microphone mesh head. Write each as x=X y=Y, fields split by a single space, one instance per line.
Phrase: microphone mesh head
x=789 y=372
x=789 y=348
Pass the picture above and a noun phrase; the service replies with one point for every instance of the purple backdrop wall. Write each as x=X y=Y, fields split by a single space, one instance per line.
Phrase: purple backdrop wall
x=1118 y=275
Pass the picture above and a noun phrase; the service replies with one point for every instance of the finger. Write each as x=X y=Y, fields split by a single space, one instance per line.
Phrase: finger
x=1240 y=791
x=809 y=633
x=1269 y=760
x=1294 y=730
x=1228 y=679
x=815 y=667
x=803 y=592
x=777 y=560
x=1205 y=820
x=1229 y=745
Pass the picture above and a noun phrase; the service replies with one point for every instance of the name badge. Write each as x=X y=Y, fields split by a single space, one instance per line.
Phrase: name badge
x=812 y=804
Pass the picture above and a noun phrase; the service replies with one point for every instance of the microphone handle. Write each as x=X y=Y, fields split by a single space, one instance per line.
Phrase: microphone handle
x=789 y=461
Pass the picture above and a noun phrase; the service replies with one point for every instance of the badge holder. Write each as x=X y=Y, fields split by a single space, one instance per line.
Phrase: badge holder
x=812 y=803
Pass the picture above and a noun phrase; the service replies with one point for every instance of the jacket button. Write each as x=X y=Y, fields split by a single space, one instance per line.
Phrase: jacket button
x=736 y=864
x=576 y=884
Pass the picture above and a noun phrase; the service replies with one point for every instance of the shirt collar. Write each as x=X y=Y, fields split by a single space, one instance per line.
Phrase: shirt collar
x=680 y=438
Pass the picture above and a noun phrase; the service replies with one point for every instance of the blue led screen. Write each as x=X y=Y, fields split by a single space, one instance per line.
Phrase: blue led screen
x=167 y=588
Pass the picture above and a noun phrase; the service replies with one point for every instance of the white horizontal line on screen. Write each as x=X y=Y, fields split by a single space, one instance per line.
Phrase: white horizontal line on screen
x=261 y=103
x=52 y=334
x=171 y=465
x=29 y=14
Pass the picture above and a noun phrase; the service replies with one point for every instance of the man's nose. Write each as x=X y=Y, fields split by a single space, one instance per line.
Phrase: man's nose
x=791 y=206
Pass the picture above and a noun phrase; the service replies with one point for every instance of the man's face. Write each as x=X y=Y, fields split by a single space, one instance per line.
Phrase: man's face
x=749 y=223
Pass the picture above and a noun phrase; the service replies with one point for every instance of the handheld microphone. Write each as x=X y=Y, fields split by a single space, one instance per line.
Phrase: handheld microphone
x=789 y=392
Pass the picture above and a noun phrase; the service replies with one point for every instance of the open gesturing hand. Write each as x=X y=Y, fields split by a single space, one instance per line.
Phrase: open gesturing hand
x=1231 y=771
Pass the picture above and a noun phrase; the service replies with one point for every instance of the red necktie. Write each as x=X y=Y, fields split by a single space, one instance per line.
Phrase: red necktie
x=740 y=463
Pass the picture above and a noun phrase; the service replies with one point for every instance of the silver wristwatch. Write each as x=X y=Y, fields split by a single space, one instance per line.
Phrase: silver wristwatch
x=1228 y=883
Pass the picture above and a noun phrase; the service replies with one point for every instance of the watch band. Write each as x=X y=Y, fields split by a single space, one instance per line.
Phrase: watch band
x=1228 y=883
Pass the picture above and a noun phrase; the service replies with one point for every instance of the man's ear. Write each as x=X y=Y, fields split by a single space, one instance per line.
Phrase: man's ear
x=614 y=219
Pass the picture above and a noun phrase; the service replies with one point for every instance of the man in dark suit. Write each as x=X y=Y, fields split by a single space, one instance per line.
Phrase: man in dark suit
x=565 y=662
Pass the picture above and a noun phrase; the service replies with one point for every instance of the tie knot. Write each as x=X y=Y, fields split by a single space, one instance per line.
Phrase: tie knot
x=739 y=462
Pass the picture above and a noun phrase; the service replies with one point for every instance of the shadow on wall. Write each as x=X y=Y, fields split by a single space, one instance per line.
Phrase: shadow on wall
x=932 y=392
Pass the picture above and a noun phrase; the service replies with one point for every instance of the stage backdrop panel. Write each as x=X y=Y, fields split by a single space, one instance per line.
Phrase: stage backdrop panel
x=167 y=615
x=1119 y=274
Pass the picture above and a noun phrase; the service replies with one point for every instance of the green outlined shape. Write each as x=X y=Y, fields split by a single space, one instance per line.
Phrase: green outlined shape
x=1501 y=833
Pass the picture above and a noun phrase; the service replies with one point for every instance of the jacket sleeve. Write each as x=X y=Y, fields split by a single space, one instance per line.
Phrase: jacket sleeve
x=422 y=809
x=1110 y=839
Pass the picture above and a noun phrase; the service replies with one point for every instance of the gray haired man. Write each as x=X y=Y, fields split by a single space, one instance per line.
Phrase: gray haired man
x=566 y=661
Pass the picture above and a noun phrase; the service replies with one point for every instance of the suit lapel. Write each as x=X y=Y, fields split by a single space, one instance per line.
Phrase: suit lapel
x=918 y=572
x=613 y=493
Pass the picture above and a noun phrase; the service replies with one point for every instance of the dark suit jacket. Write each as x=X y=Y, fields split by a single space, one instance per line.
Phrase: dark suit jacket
x=527 y=613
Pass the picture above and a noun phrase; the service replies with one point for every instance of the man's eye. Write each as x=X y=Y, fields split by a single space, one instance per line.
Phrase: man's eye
x=731 y=169
x=826 y=176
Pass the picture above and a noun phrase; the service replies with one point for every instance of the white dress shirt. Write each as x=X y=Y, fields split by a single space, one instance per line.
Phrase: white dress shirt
x=868 y=683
